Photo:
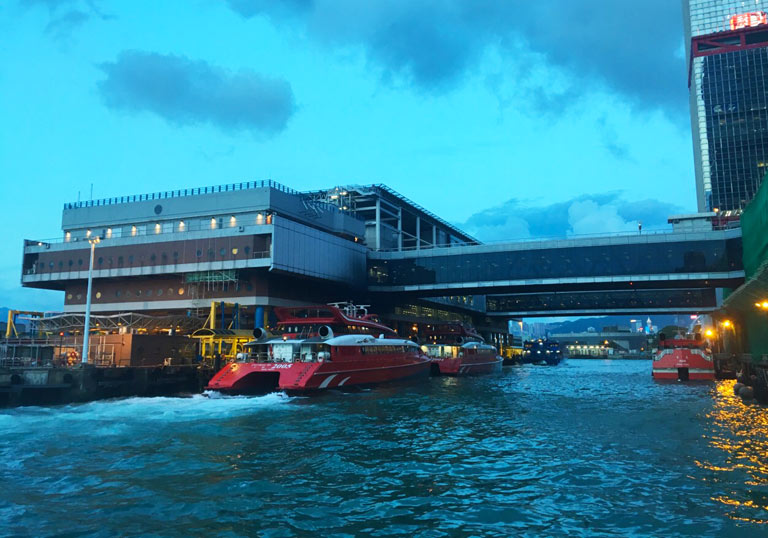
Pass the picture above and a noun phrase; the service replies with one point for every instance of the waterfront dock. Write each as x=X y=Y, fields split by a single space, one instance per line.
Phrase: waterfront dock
x=51 y=385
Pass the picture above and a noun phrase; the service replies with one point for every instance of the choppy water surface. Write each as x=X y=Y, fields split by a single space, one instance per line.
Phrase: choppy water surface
x=587 y=448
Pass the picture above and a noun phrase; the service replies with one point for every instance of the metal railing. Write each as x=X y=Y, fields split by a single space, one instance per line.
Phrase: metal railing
x=601 y=235
x=230 y=187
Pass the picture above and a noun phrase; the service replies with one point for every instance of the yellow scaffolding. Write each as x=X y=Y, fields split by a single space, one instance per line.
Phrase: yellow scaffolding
x=10 y=329
x=225 y=342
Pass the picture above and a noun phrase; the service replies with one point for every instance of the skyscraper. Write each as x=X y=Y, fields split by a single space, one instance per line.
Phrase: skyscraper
x=727 y=49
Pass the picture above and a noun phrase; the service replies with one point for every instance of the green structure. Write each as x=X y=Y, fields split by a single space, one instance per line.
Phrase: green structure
x=749 y=303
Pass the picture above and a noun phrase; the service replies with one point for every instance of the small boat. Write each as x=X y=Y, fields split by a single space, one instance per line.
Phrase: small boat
x=683 y=358
x=542 y=351
x=456 y=349
x=321 y=347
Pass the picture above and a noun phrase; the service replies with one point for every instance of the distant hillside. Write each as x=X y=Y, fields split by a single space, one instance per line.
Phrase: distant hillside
x=583 y=324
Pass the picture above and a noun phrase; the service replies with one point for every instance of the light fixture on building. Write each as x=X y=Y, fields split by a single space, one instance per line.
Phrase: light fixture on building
x=88 y=233
x=67 y=236
x=133 y=231
x=213 y=223
x=232 y=220
x=109 y=233
x=259 y=218
x=158 y=228
x=181 y=225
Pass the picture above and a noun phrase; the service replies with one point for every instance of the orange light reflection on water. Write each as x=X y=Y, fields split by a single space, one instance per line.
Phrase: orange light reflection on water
x=740 y=432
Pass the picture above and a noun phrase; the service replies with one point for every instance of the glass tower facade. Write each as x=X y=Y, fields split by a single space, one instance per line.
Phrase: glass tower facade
x=727 y=45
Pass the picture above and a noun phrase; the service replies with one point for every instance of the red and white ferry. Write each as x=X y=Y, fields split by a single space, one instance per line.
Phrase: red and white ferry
x=456 y=349
x=322 y=347
x=683 y=359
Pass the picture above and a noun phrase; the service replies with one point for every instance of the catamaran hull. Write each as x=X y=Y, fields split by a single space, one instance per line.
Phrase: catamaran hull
x=463 y=366
x=249 y=378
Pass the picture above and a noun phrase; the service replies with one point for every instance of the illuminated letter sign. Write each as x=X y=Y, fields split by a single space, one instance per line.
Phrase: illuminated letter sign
x=746 y=20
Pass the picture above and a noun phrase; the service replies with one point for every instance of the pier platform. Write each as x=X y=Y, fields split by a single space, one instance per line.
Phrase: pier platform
x=51 y=385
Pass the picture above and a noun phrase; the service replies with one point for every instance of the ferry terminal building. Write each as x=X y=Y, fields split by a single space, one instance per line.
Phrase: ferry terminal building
x=246 y=247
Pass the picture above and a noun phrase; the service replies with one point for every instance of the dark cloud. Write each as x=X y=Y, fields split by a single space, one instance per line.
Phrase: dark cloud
x=50 y=4
x=280 y=8
x=630 y=47
x=586 y=214
x=187 y=92
x=65 y=16
x=62 y=26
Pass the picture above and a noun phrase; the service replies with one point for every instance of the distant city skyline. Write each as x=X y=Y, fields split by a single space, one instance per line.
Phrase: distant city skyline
x=479 y=112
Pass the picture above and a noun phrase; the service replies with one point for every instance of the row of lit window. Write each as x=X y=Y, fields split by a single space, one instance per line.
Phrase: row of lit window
x=164 y=257
x=118 y=293
x=180 y=226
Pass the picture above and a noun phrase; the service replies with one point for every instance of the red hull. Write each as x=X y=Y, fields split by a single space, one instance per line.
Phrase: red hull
x=472 y=365
x=685 y=363
x=239 y=378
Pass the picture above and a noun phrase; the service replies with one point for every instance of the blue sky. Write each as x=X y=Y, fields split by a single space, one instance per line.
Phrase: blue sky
x=511 y=120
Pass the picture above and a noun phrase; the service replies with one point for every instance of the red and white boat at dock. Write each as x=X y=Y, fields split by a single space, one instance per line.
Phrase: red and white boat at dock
x=683 y=359
x=456 y=349
x=321 y=347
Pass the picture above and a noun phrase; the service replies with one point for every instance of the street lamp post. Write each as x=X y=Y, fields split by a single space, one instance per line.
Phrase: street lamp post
x=87 y=328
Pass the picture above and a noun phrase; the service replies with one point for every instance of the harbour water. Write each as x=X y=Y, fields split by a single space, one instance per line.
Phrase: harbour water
x=587 y=448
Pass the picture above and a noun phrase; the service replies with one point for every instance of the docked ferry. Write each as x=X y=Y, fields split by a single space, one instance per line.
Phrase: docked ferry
x=683 y=359
x=456 y=349
x=542 y=351
x=321 y=347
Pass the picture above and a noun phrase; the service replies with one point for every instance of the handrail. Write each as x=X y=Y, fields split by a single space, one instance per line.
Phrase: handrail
x=212 y=189
x=602 y=235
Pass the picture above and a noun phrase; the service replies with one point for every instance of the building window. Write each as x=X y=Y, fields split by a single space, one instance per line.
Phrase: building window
x=232 y=221
x=223 y=252
x=213 y=223
x=152 y=258
x=117 y=293
x=158 y=228
x=160 y=292
x=247 y=250
x=134 y=231
x=101 y=260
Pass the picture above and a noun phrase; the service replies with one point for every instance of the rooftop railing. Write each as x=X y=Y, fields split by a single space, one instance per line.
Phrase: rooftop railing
x=230 y=187
x=645 y=232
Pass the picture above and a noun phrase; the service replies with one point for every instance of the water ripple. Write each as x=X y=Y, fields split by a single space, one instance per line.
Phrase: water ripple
x=584 y=449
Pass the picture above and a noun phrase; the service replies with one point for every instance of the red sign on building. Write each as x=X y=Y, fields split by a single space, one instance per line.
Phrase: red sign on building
x=746 y=20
